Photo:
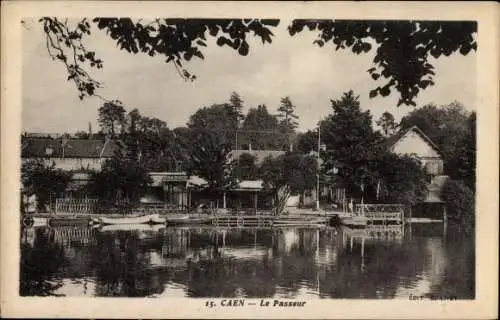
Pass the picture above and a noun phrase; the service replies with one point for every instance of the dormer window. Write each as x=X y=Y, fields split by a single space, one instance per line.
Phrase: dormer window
x=49 y=151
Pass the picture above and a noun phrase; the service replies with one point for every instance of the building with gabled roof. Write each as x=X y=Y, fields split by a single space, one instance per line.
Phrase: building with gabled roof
x=69 y=154
x=414 y=142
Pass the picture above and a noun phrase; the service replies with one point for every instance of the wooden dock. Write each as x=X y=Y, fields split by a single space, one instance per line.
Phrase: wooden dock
x=374 y=214
x=263 y=221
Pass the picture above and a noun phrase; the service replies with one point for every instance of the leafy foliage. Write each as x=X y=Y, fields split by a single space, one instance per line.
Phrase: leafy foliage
x=351 y=143
x=387 y=123
x=402 y=180
x=365 y=166
x=245 y=167
x=286 y=114
x=64 y=43
x=260 y=129
x=43 y=181
x=150 y=141
x=209 y=158
x=237 y=103
x=402 y=58
x=176 y=40
x=218 y=119
x=112 y=118
x=452 y=128
x=120 y=178
x=307 y=141
x=460 y=203
x=288 y=174
x=208 y=141
x=404 y=48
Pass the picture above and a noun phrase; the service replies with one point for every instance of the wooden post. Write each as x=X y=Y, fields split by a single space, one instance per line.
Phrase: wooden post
x=445 y=219
x=362 y=247
x=255 y=199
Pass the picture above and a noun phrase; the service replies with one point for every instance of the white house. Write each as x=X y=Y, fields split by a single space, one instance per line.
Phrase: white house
x=414 y=142
x=69 y=154
x=75 y=155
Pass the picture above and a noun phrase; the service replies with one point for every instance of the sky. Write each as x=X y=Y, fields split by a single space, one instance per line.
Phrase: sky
x=293 y=67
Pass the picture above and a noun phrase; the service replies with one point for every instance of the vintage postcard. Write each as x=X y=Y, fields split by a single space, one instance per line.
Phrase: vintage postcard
x=324 y=160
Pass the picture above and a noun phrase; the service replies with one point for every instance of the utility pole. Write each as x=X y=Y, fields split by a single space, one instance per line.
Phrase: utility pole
x=236 y=147
x=317 y=175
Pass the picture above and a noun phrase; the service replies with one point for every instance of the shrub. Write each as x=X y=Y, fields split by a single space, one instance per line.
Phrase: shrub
x=460 y=203
x=43 y=180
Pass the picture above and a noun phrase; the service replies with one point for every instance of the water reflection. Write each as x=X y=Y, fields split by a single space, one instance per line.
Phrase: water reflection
x=143 y=261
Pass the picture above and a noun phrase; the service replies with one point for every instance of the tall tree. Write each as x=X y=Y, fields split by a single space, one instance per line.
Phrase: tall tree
x=237 y=103
x=112 y=118
x=403 y=49
x=307 y=141
x=150 y=141
x=287 y=116
x=209 y=158
x=217 y=119
x=287 y=120
x=260 y=128
x=467 y=166
x=120 y=178
x=387 y=123
x=352 y=144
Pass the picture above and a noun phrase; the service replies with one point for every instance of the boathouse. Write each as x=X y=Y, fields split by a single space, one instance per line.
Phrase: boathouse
x=414 y=142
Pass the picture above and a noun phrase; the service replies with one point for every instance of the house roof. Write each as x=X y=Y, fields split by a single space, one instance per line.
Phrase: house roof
x=244 y=185
x=392 y=140
x=70 y=148
x=259 y=155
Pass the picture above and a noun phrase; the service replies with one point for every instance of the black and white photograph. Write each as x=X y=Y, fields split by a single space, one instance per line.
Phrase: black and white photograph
x=248 y=162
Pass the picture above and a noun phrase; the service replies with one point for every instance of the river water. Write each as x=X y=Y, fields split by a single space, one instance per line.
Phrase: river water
x=143 y=261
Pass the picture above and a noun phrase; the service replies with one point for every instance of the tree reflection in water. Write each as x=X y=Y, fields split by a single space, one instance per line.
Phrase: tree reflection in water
x=41 y=260
x=210 y=262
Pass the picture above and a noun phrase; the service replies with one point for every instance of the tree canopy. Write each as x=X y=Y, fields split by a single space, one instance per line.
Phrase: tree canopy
x=260 y=129
x=387 y=123
x=453 y=130
x=288 y=174
x=112 y=118
x=350 y=141
x=403 y=48
x=43 y=180
x=365 y=166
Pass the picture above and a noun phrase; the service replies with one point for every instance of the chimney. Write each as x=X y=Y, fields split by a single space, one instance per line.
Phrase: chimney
x=90 y=130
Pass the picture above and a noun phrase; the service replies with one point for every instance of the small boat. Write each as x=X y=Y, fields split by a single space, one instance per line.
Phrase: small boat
x=131 y=227
x=354 y=221
x=145 y=219
x=68 y=221
x=186 y=220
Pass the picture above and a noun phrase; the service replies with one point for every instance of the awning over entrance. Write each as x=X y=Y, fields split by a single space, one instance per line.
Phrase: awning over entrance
x=162 y=178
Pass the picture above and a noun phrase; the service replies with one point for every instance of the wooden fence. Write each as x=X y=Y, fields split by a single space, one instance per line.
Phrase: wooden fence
x=381 y=212
x=75 y=205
